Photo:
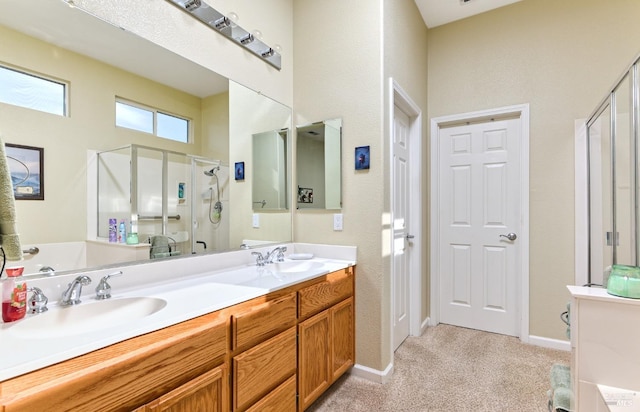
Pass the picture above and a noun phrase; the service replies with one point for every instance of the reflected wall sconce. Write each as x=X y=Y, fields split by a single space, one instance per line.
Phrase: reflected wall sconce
x=229 y=29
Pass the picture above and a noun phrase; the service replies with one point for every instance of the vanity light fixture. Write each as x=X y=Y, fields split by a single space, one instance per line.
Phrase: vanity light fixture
x=227 y=26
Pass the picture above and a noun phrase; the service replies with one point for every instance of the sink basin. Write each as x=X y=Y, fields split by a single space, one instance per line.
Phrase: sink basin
x=86 y=317
x=295 y=267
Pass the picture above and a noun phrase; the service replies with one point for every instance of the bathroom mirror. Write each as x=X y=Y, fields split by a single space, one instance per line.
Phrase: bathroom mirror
x=99 y=62
x=318 y=165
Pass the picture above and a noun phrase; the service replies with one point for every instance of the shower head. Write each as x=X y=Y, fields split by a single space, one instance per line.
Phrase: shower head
x=212 y=172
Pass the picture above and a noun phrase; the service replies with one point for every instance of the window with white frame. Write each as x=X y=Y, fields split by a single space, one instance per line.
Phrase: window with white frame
x=32 y=91
x=153 y=121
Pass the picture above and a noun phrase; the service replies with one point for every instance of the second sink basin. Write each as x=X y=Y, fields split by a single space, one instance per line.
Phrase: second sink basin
x=295 y=267
x=86 y=317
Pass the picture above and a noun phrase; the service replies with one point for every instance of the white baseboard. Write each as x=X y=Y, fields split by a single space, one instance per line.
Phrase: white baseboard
x=550 y=343
x=425 y=324
x=371 y=374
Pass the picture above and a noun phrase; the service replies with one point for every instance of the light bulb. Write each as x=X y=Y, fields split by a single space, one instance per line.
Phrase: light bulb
x=277 y=48
x=233 y=16
x=257 y=34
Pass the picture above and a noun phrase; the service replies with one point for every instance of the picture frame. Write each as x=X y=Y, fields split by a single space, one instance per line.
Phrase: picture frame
x=239 y=170
x=26 y=166
x=305 y=195
x=362 y=158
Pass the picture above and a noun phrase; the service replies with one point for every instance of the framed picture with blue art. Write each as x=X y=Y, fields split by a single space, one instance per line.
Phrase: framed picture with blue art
x=26 y=166
x=239 y=170
x=362 y=157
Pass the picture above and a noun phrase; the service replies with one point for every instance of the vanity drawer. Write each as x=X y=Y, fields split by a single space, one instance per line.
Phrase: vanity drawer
x=262 y=368
x=337 y=286
x=262 y=321
x=281 y=399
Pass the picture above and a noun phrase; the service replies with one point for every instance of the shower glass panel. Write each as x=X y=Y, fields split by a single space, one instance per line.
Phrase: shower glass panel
x=624 y=175
x=600 y=194
x=614 y=153
x=153 y=192
x=114 y=176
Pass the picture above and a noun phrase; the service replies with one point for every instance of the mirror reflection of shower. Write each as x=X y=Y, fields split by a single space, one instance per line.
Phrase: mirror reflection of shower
x=215 y=210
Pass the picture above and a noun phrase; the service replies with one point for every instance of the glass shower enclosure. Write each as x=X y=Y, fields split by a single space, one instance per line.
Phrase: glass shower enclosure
x=160 y=195
x=613 y=175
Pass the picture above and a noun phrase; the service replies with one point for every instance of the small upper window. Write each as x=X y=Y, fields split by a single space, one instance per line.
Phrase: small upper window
x=153 y=121
x=34 y=92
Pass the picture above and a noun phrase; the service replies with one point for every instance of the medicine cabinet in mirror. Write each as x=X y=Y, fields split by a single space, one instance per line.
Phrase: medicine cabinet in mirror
x=318 y=165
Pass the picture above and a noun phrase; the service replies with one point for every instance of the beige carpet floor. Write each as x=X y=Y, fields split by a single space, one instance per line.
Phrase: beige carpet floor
x=453 y=369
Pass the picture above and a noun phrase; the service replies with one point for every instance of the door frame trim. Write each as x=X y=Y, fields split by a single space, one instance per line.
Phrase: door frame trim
x=399 y=97
x=523 y=282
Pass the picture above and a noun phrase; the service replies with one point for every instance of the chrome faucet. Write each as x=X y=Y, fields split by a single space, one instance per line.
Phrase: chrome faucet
x=277 y=252
x=268 y=257
x=71 y=296
x=103 y=290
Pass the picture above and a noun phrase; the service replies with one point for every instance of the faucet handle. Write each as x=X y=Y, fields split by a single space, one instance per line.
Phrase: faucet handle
x=259 y=258
x=280 y=256
x=103 y=290
x=38 y=301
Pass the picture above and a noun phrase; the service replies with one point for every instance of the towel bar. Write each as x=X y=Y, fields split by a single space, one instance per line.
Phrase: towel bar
x=176 y=217
x=31 y=251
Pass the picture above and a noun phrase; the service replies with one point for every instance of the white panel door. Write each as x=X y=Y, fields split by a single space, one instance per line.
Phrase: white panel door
x=401 y=213
x=479 y=200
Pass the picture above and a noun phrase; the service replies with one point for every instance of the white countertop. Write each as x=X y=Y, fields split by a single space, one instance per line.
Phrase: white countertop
x=25 y=349
x=598 y=293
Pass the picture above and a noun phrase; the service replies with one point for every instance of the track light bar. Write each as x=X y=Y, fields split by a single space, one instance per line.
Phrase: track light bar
x=223 y=25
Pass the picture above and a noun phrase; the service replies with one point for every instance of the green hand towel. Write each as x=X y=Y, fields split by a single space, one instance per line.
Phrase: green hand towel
x=560 y=376
x=8 y=234
x=562 y=400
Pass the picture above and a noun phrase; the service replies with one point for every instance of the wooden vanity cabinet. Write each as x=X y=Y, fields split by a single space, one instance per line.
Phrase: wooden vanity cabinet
x=326 y=343
x=277 y=353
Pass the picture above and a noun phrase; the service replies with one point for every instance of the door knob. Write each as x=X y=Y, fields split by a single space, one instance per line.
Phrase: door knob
x=409 y=237
x=511 y=236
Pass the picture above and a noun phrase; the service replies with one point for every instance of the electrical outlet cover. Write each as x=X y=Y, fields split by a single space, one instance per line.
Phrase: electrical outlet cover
x=337 y=221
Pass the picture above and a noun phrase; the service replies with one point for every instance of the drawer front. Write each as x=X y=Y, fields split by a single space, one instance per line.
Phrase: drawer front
x=281 y=399
x=263 y=321
x=263 y=367
x=314 y=298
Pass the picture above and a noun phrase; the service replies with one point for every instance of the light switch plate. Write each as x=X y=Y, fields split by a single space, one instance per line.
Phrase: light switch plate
x=337 y=221
x=256 y=220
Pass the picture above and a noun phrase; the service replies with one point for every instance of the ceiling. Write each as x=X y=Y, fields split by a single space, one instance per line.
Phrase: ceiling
x=439 y=12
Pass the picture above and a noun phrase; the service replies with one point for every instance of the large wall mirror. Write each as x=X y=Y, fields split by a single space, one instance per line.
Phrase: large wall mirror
x=99 y=63
x=318 y=165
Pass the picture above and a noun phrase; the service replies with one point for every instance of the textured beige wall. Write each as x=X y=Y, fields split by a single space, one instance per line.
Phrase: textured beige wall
x=561 y=57
x=338 y=74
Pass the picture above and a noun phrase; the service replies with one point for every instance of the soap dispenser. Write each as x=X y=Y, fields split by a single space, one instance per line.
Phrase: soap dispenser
x=14 y=295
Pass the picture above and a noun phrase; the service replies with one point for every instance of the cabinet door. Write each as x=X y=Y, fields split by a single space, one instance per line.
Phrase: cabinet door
x=314 y=372
x=342 y=338
x=207 y=393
